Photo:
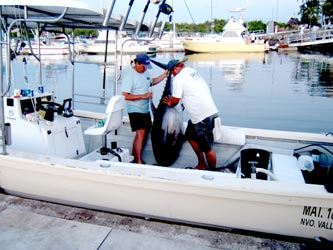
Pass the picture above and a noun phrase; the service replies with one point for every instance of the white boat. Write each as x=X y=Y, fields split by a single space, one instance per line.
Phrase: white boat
x=46 y=49
x=169 y=42
x=233 y=39
x=49 y=44
x=59 y=155
x=122 y=43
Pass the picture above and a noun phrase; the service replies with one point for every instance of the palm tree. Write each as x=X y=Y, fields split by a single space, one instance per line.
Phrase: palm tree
x=327 y=10
x=310 y=12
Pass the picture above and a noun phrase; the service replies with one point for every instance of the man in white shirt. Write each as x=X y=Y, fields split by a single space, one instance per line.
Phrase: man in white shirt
x=193 y=90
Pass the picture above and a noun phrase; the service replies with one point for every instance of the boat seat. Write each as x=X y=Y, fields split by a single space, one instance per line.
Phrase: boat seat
x=228 y=135
x=114 y=112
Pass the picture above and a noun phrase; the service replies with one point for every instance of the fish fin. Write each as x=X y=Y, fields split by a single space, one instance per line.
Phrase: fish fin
x=152 y=107
x=161 y=65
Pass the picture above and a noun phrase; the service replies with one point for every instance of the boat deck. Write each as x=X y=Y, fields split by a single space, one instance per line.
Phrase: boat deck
x=228 y=152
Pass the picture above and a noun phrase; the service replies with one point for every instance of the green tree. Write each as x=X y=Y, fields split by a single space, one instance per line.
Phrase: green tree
x=327 y=11
x=86 y=33
x=219 y=24
x=185 y=27
x=310 y=12
x=203 y=27
x=256 y=25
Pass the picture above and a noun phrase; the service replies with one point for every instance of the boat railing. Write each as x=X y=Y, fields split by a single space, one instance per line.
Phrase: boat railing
x=94 y=100
x=307 y=35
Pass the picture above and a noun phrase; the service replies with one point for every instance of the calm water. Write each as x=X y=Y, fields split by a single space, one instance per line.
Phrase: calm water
x=273 y=91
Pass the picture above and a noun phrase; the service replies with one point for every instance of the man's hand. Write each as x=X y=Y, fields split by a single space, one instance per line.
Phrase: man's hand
x=167 y=101
x=171 y=101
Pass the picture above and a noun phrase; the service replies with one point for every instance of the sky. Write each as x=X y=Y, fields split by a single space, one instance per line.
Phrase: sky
x=199 y=11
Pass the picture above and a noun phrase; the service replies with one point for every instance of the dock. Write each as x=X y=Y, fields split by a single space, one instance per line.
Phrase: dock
x=38 y=225
x=292 y=40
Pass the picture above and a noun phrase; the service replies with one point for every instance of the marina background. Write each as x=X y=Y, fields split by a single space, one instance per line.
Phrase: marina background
x=251 y=90
x=188 y=11
x=292 y=92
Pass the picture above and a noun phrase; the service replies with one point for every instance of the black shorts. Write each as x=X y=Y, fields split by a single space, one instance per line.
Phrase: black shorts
x=140 y=121
x=202 y=133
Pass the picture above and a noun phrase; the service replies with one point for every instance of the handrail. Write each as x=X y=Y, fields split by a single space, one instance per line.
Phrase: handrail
x=295 y=36
x=133 y=39
x=8 y=71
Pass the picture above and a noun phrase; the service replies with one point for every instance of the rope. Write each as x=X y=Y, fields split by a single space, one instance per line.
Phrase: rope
x=189 y=11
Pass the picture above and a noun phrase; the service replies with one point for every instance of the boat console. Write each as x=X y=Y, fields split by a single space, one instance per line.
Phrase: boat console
x=39 y=125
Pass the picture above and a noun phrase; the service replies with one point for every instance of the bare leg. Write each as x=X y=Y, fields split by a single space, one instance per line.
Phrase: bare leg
x=200 y=155
x=138 y=144
x=211 y=159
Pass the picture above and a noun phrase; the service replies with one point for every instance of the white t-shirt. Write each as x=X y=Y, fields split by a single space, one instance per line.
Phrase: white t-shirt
x=195 y=94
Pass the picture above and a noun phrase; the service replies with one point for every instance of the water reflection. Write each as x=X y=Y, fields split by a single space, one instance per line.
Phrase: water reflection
x=231 y=66
x=317 y=71
x=273 y=91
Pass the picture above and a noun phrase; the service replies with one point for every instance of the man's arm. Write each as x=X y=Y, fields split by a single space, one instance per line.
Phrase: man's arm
x=159 y=78
x=131 y=97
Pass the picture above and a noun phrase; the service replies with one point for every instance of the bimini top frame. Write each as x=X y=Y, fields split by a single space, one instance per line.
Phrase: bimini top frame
x=62 y=14
x=84 y=14
x=80 y=14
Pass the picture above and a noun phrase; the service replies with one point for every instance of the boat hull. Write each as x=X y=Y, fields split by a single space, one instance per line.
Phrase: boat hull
x=46 y=50
x=216 y=47
x=195 y=197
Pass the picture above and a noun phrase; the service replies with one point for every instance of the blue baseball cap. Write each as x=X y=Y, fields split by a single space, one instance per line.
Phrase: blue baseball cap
x=172 y=63
x=144 y=59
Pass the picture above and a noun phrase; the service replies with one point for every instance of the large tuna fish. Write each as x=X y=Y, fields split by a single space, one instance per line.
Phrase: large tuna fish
x=167 y=132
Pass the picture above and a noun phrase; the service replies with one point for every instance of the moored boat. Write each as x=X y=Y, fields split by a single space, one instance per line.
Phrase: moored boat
x=169 y=42
x=47 y=44
x=232 y=40
x=47 y=49
x=123 y=43
x=268 y=181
